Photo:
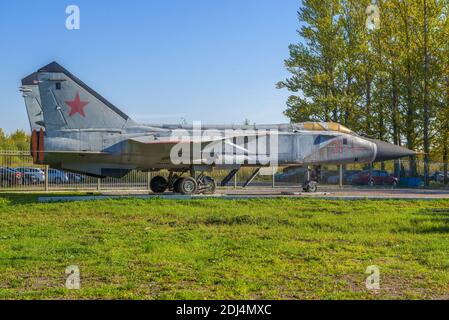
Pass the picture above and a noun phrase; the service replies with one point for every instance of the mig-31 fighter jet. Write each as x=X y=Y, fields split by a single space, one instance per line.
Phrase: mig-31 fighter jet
x=75 y=129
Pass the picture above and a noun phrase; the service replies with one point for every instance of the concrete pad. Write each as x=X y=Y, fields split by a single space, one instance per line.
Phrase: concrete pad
x=304 y=194
x=269 y=193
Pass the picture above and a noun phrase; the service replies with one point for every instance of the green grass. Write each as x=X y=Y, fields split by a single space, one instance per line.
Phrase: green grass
x=222 y=249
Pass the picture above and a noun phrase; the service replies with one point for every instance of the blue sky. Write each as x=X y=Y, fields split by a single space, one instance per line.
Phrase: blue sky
x=158 y=61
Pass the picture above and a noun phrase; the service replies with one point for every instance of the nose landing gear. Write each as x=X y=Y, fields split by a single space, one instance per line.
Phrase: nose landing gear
x=310 y=186
x=312 y=178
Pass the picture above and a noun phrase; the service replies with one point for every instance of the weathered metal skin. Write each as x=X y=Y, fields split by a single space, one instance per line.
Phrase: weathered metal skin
x=85 y=133
x=32 y=98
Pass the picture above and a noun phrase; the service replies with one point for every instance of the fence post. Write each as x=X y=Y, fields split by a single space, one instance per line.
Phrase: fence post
x=341 y=176
x=98 y=184
x=235 y=181
x=148 y=180
x=46 y=178
x=273 y=178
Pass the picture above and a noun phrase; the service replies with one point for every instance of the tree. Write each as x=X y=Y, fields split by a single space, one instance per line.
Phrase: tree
x=18 y=140
x=390 y=82
x=316 y=75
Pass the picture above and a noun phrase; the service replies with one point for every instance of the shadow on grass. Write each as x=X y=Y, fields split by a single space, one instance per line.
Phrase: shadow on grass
x=18 y=199
x=429 y=221
x=30 y=198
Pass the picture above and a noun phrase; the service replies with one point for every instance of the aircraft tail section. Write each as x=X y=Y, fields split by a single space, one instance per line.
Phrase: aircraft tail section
x=57 y=100
x=31 y=95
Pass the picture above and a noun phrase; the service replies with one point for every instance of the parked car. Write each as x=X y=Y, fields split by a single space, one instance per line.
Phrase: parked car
x=351 y=175
x=75 y=178
x=347 y=177
x=10 y=177
x=438 y=176
x=32 y=175
x=374 y=177
x=291 y=175
x=57 y=176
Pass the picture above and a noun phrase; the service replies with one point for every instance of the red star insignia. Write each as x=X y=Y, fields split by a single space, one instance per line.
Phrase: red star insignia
x=77 y=106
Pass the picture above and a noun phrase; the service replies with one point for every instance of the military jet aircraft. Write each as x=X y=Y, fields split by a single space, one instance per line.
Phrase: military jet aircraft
x=76 y=129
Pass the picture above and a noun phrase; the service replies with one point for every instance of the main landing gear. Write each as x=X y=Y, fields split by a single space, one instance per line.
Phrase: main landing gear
x=200 y=184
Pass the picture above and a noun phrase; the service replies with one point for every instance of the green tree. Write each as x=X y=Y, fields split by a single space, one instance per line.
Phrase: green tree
x=389 y=82
x=314 y=64
x=18 y=140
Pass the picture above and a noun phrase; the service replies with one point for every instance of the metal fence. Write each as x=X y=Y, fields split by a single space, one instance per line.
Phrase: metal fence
x=17 y=172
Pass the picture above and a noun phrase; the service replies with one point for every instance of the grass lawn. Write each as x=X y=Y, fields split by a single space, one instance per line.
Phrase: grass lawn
x=222 y=249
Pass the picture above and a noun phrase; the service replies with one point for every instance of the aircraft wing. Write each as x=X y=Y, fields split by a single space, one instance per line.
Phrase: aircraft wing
x=170 y=141
x=204 y=140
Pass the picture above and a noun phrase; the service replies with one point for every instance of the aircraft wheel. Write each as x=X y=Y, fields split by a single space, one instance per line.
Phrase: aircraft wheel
x=158 y=184
x=310 y=187
x=187 y=186
x=372 y=183
x=176 y=185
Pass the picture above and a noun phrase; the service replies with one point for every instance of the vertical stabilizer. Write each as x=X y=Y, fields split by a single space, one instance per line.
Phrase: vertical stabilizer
x=65 y=102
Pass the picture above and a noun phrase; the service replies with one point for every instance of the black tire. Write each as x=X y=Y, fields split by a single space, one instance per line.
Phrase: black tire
x=159 y=184
x=188 y=186
x=176 y=185
x=311 y=187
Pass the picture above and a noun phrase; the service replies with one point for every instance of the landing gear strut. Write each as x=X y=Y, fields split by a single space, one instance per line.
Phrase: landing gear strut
x=206 y=185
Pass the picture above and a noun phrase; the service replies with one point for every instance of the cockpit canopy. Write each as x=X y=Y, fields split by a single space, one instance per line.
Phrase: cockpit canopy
x=324 y=126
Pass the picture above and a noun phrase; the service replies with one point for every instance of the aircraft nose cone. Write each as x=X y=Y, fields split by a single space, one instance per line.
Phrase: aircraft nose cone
x=387 y=151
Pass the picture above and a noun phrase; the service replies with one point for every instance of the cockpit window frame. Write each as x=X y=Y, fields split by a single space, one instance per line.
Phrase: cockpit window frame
x=323 y=138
